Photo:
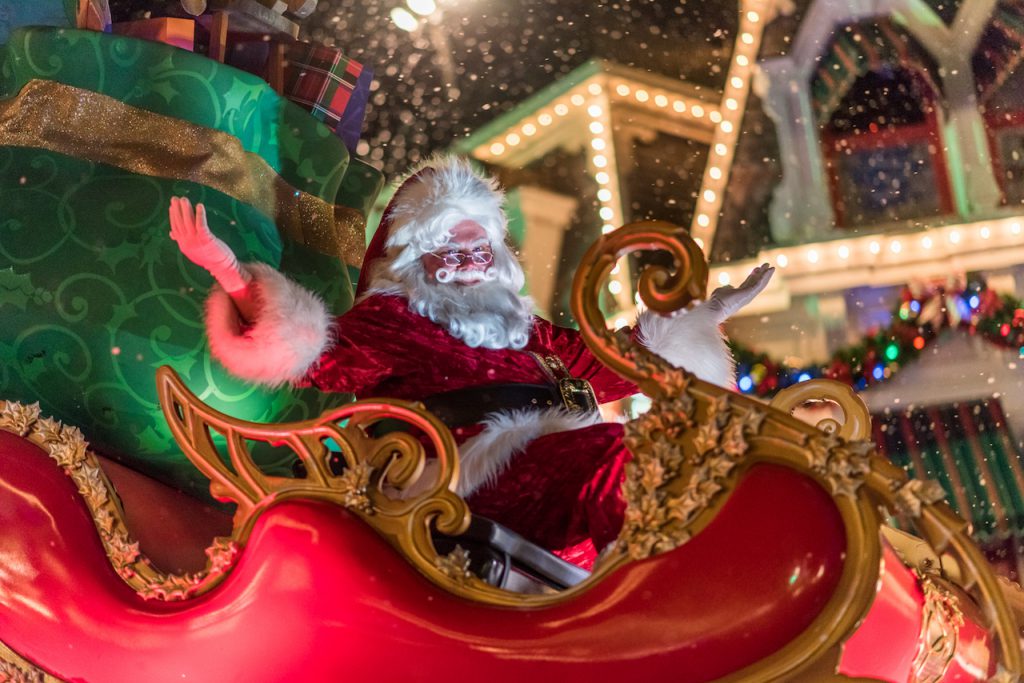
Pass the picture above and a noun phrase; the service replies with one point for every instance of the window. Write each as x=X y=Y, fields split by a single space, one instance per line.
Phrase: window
x=999 y=77
x=883 y=153
x=877 y=107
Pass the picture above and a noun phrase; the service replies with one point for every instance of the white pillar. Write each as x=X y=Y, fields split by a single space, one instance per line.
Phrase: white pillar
x=975 y=190
x=800 y=208
x=547 y=216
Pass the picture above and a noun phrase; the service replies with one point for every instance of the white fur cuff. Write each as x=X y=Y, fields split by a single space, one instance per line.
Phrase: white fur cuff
x=292 y=330
x=690 y=340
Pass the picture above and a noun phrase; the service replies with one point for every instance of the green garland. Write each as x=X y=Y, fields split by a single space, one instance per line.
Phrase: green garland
x=915 y=323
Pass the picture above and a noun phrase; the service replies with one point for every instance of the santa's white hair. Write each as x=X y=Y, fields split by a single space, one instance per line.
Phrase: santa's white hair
x=442 y=192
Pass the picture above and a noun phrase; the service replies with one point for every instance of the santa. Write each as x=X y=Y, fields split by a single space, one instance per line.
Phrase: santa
x=439 y=318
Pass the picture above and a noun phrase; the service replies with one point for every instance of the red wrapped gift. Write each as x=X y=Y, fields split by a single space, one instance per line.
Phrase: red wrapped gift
x=171 y=30
x=333 y=87
x=93 y=15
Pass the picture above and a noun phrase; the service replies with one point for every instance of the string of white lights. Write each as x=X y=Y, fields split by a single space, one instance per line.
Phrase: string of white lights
x=734 y=103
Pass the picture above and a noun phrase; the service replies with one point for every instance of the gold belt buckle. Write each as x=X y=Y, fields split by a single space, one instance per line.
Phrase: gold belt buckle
x=577 y=394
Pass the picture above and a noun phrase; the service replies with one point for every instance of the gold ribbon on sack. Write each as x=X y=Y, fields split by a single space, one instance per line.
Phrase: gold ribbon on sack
x=87 y=125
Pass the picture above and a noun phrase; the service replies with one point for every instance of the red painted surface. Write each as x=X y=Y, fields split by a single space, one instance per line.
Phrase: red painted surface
x=886 y=644
x=887 y=641
x=318 y=596
x=173 y=529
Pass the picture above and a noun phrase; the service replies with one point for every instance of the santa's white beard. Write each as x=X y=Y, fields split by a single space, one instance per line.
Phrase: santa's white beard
x=490 y=313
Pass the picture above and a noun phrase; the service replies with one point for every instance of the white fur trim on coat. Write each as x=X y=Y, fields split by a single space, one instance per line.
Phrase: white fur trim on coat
x=507 y=433
x=690 y=340
x=292 y=330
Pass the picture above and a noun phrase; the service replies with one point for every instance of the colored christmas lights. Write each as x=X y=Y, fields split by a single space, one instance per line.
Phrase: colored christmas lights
x=916 y=322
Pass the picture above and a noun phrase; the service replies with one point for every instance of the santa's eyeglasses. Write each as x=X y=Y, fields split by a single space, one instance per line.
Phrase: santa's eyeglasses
x=481 y=256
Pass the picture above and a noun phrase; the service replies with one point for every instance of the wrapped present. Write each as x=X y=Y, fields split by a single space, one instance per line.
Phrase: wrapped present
x=170 y=30
x=93 y=15
x=333 y=87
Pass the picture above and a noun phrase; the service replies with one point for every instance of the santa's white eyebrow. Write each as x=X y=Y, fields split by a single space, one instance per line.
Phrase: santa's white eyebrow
x=482 y=242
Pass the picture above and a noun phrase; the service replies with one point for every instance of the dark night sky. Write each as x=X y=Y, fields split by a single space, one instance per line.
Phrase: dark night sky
x=501 y=52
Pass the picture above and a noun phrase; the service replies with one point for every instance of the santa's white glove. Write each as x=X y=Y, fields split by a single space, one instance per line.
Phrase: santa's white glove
x=726 y=300
x=190 y=230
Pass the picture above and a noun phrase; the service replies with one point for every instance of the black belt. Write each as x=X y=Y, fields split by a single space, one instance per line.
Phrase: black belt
x=469 y=406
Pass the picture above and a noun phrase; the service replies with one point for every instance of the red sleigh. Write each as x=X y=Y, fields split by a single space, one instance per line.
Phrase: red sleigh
x=754 y=549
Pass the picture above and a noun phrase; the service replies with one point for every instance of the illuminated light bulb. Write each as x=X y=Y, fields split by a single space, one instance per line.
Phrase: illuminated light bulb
x=723 y=278
x=602 y=178
x=595 y=110
x=421 y=7
x=620 y=322
x=404 y=19
x=596 y=128
x=577 y=99
x=598 y=144
x=747 y=38
x=715 y=173
x=726 y=126
x=736 y=81
x=622 y=90
x=615 y=287
x=607 y=228
x=844 y=252
x=812 y=256
x=529 y=129
x=731 y=104
x=753 y=17
x=661 y=100
x=715 y=116
x=606 y=213
x=679 y=106
x=782 y=261
x=709 y=195
x=600 y=160
x=895 y=247
x=954 y=236
x=561 y=109
x=594 y=88
x=700 y=243
x=642 y=96
x=703 y=220
x=926 y=242
x=1015 y=228
x=721 y=149
x=604 y=194
x=697 y=111
x=874 y=247
x=497 y=148
x=985 y=232
x=742 y=60
x=545 y=119
x=512 y=139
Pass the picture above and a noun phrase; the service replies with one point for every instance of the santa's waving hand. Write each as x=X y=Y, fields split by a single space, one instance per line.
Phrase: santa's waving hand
x=439 y=318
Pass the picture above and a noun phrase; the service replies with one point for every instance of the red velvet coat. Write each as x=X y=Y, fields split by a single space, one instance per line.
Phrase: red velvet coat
x=563 y=490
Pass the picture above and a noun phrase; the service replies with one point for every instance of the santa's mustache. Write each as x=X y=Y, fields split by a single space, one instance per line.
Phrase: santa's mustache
x=449 y=275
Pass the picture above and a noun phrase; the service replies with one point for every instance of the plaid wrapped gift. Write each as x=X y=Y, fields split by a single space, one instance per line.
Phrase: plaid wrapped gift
x=333 y=87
